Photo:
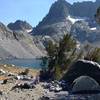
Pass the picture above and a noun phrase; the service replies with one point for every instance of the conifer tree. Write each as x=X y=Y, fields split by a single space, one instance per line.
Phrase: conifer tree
x=61 y=55
x=97 y=15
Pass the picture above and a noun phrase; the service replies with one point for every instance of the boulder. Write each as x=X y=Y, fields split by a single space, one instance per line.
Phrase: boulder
x=85 y=84
x=83 y=68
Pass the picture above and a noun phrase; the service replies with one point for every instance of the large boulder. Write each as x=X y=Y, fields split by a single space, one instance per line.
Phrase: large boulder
x=83 y=68
x=85 y=84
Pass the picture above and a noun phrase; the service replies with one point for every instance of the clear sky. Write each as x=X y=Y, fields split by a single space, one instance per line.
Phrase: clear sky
x=30 y=10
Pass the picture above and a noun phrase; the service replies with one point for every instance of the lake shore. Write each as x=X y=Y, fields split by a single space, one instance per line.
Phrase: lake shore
x=16 y=70
x=27 y=63
x=10 y=72
x=7 y=93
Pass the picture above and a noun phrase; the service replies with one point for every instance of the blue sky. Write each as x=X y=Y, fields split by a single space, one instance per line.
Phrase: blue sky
x=30 y=10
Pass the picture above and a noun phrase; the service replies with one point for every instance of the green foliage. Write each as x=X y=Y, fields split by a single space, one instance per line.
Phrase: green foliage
x=24 y=72
x=61 y=55
x=51 y=49
x=93 y=54
x=58 y=72
x=66 y=51
x=52 y=52
x=97 y=15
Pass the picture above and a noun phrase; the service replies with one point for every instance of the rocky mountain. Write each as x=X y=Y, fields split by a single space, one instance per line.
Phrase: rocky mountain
x=85 y=8
x=58 y=12
x=55 y=21
x=82 y=31
x=63 y=18
x=20 y=26
x=17 y=44
x=77 y=19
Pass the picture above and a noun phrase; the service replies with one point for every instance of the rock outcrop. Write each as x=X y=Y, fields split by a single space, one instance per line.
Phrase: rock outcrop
x=61 y=17
x=20 y=26
x=85 y=84
x=83 y=32
x=83 y=68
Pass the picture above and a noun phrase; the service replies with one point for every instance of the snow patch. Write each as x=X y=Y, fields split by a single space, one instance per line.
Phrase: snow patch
x=46 y=37
x=73 y=20
x=28 y=30
x=92 y=29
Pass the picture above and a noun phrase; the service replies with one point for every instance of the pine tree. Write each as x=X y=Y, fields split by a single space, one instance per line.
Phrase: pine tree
x=93 y=55
x=97 y=15
x=61 y=55
x=52 y=52
x=66 y=51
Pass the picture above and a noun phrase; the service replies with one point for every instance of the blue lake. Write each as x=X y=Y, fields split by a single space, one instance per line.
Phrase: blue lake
x=30 y=63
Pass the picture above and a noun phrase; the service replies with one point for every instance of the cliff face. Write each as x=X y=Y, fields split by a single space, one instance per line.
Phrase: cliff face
x=58 y=12
x=85 y=9
x=62 y=9
x=55 y=22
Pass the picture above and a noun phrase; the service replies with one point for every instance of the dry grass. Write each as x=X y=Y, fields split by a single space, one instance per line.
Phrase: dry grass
x=17 y=70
